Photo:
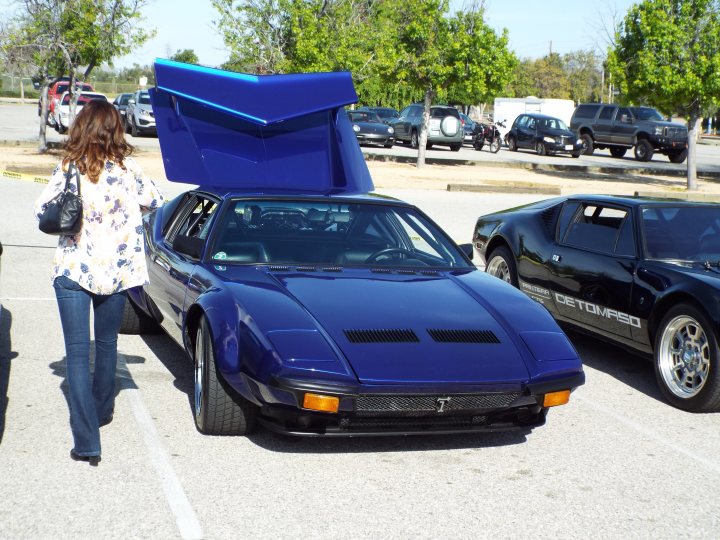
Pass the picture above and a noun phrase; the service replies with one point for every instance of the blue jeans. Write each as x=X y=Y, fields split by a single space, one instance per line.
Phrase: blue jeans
x=91 y=399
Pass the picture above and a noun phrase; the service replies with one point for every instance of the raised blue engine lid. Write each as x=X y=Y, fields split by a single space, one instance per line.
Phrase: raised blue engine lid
x=258 y=133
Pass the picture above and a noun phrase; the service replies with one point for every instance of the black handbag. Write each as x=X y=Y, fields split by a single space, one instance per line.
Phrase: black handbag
x=62 y=216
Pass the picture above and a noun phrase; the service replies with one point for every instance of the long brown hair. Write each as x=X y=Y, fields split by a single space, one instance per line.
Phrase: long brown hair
x=96 y=136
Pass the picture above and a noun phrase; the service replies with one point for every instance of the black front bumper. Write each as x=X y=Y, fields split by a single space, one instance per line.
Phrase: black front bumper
x=398 y=412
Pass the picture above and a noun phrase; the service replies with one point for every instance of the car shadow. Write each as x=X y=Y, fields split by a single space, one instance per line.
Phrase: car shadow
x=6 y=357
x=630 y=369
x=176 y=361
x=619 y=177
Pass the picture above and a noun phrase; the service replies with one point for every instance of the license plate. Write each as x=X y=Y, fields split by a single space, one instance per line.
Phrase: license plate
x=568 y=147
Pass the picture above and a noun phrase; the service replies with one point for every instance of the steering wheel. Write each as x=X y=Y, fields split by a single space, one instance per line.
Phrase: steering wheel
x=387 y=251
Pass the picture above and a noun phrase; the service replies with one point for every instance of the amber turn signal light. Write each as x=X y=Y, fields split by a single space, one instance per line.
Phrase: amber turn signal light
x=316 y=402
x=553 y=399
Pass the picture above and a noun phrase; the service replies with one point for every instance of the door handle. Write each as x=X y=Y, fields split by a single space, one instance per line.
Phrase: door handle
x=556 y=258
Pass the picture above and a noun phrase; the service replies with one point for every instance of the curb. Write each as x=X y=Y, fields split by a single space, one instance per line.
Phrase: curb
x=515 y=187
x=580 y=169
x=698 y=197
x=26 y=177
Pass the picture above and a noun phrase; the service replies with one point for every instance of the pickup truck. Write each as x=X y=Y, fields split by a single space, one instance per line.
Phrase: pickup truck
x=617 y=128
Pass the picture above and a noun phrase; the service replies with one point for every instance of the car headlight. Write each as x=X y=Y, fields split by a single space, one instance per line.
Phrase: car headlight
x=658 y=130
x=579 y=141
x=356 y=128
x=548 y=140
x=391 y=130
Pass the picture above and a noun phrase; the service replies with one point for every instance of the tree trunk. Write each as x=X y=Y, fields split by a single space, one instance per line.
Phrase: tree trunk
x=693 y=131
x=42 y=138
x=422 y=139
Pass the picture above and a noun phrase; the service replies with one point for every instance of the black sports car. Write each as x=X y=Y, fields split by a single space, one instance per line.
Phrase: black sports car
x=643 y=273
x=369 y=129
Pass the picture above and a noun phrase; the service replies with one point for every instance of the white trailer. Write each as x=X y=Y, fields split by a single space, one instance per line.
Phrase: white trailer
x=508 y=109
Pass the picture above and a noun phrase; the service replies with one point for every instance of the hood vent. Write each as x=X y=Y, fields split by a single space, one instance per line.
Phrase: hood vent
x=332 y=269
x=381 y=270
x=463 y=336
x=399 y=335
x=279 y=268
x=306 y=269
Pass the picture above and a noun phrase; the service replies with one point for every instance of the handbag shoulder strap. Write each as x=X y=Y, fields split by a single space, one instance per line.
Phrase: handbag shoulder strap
x=77 y=177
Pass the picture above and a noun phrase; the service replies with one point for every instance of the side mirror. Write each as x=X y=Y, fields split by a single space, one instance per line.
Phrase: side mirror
x=189 y=245
x=467 y=249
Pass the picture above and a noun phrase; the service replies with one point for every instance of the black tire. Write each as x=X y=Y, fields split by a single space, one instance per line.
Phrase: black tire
x=456 y=147
x=136 y=321
x=512 y=144
x=388 y=145
x=588 y=144
x=686 y=360
x=428 y=146
x=501 y=264
x=540 y=148
x=219 y=410
x=575 y=155
x=478 y=143
x=133 y=129
x=617 y=151
x=495 y=146
x=643 y=150
x=678 y=157
x=414 y=141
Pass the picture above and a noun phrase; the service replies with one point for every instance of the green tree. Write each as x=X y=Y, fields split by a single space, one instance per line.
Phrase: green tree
x=186 y=55
x=667 y=54
x=63 y=37
x=583 y=70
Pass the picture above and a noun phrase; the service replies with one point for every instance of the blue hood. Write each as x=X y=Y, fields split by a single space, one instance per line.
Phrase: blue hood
x=258 y=133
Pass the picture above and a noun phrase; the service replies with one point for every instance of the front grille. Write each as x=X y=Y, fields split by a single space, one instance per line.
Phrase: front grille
x=424 y=405
x=463 y=336
x=440 y=422
x=675 y=133
x=399 y=335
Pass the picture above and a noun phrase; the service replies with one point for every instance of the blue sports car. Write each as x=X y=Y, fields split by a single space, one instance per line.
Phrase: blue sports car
x=308 y=303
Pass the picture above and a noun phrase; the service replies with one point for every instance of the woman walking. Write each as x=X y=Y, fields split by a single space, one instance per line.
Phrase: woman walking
x=99 y=264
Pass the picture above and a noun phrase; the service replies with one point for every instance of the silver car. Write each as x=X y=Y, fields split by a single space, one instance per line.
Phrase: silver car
x=139 y=117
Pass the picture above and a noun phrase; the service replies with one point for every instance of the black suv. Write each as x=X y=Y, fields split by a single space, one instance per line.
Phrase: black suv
x=605 y=125
x=445 y=127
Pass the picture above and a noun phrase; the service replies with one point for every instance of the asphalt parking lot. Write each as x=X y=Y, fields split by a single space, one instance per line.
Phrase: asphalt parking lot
x=616 y=462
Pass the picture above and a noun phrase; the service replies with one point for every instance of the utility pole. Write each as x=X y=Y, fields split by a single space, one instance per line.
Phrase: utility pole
x=551 y=47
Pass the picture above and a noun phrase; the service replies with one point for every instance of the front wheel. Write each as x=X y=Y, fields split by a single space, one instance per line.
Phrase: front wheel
x=414 y=142
x=512 y=144
x=456 y=147
x=501 y=264
x=388 y=144
x=219 y=410
x=588 y=144
x=678 y=157
x=540 y=148
x=686 y=360
x=495 y=146
x=643 y=150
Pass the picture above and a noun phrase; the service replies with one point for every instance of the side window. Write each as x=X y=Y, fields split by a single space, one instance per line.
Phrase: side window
x=194 y=219
x=626 y=239
x=532 y=123
x=585 y=111
x=415 y=112
x=522 y=121
x=405 y=112
x=607 y=113
x=597 y=228
x=624 y=111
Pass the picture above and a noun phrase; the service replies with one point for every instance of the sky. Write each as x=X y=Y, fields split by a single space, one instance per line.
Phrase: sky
x=535 y=27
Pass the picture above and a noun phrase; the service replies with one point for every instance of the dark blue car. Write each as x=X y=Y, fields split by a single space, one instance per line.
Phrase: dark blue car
x=312 y=305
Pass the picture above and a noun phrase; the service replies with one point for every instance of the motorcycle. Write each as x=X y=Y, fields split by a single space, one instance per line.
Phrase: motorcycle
x=488 y=133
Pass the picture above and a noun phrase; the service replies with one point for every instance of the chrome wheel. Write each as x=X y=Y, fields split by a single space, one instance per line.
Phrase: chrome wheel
x=498 y=267
x=684 y=357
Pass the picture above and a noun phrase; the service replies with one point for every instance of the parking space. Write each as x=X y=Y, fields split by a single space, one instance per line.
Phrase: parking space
x=616 y=462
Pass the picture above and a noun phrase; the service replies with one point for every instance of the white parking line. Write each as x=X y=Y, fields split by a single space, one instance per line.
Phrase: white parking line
x=712 y=465
x=185 y=517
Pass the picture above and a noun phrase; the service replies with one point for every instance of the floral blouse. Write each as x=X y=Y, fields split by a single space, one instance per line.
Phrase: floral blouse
x=108 y=254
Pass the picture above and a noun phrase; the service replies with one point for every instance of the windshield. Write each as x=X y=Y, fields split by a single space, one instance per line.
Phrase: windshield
x=363 y=116
x=387 y=113
x=84 y=98
x=144 y=98
x=686 y=233
x=309 y=233
x=646 y=113
x=552 y=123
